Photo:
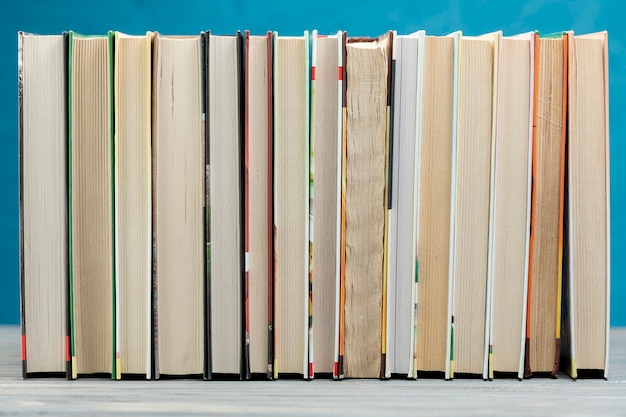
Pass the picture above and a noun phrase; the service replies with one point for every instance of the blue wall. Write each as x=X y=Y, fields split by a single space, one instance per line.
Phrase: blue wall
x=363 y=17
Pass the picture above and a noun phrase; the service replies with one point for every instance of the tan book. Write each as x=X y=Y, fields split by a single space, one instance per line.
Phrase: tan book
x=435 y=203
x=259 y=221
x=133 y=203
x=472 y=171
x=367 y=98
x=43 y=204
x=586 y=280
x=546 y=233
x=90 y=160
x=326 y=91
x=225 y=188
x=178 y=169
x=291 y=204
x=511 y=217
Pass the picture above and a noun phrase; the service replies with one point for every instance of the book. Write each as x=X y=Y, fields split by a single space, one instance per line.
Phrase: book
x=587 y=262
x=291 y=204
x=91 y=204
x=258 y=203
x=132 y=75
x=178 y=158
x=437 y=145
x=510 y=229
x=471 y=170
x=367 y=80
x=407 y=64
x=225 y=188
x=43 y=204
x=546 y=224
x=325 y=197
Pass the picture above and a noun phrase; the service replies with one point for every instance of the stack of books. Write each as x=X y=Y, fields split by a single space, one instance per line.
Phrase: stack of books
x=268 y=206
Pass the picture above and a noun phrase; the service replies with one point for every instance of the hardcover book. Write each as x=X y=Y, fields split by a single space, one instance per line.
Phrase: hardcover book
x=178 y=181
x=43 y=204
x=291 y=204
x=91 y=204
x=225 y=190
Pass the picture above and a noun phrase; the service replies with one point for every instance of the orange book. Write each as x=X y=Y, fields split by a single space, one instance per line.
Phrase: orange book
x=546 y=235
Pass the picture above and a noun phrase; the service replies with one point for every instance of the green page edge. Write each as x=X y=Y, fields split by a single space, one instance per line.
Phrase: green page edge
x=111 y=38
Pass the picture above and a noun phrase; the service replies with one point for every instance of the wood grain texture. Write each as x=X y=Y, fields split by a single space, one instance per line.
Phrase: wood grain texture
x=320 y=397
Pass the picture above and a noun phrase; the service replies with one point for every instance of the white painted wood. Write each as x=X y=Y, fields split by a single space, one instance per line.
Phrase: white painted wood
x=510 y=397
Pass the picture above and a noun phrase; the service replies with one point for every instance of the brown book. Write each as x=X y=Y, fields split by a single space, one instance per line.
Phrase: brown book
x=91 y=204
x=587 y=263
x=546 y=233
x=178 y=169
x=367 y=98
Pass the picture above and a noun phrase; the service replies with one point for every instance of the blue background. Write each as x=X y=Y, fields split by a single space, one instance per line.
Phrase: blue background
x=363 y=17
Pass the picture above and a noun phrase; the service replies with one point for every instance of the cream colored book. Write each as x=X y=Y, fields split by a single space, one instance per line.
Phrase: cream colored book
x=291 y=204
x=472 y=203
x=43 y=203
x=178 y=169
x=225 y=188
x=586 y=281
x=133 y=204
x=510 y=227
x=326 y=125
x=259 y=226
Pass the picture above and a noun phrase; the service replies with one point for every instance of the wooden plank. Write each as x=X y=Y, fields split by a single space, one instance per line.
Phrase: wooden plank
x=560 y=396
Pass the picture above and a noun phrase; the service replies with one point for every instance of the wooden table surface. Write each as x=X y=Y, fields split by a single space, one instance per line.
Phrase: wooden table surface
x=469 y=397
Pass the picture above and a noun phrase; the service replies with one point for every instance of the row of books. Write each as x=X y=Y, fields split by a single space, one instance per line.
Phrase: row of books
x=240 y=206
